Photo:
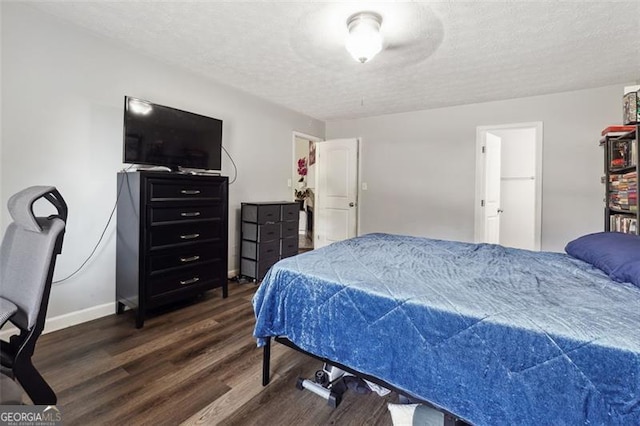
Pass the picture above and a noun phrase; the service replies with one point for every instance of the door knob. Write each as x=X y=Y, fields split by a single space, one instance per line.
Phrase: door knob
x=500 y=210
x=351 y=204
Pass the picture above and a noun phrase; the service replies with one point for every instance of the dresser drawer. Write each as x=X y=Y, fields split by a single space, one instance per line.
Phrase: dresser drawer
x=261 y=213
x=289 y=229
x=290 y=212
x=256 y=269
x=255 y=251
x=173 y=214
x=288 y=247
x=165 y=235
x=194 y=254
x=260 y=233
x=202 y=276
x=160 y=189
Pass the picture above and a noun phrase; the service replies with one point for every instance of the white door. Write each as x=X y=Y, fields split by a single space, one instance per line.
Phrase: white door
x=518 y=188
x=492 y=189
x=336 y=208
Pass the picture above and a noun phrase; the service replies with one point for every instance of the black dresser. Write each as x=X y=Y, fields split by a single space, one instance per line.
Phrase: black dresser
x=269 y=232
x=171 y=238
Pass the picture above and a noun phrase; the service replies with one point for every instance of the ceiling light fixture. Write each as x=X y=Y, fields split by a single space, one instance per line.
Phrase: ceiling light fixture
x=364 y=40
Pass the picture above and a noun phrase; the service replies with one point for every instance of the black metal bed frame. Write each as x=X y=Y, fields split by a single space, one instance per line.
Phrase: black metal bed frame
x=449 y=419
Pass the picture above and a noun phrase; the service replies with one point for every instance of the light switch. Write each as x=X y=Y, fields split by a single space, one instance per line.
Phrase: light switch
x=364 y=186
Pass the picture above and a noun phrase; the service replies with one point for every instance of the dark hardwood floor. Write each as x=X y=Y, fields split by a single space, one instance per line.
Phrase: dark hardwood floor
x=196 y=364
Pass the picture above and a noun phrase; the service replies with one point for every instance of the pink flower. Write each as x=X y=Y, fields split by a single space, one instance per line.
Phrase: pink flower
x=302 y=166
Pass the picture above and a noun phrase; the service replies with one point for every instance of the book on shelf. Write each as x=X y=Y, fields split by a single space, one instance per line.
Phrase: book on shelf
x=627 y=209
x=622 y=153
x=621 y=223
x=631 y=108
x=620 y=180
x=616 y=130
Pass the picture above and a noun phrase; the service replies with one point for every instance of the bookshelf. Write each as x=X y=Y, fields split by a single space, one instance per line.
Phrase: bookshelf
x=621 y=159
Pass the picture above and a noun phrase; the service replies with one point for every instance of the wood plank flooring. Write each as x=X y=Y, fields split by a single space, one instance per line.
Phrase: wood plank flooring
x=195 y=365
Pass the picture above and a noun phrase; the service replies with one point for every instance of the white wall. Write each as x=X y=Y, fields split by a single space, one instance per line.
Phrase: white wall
x=2 y=213
x=63 y=96
x=420 y=166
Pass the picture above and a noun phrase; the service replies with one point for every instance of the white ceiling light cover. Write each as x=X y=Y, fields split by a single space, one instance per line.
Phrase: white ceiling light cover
x=364 y=40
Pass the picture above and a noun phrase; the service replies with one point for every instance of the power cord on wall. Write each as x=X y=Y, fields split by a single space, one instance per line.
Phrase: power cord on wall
x=104 y=231
x=235 y=169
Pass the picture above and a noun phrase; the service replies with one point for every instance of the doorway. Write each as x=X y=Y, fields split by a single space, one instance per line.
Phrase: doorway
x=508 y=209
x=302 y=184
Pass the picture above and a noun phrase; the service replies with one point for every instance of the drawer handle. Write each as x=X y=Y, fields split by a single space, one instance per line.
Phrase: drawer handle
x=191 y=281
x=269 y=251
x=190 y=191
x=189 y=236
x=190 y=214
x=189 y=259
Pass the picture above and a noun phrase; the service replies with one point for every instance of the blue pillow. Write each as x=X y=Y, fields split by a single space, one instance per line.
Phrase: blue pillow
x=629 y=273
x=615 y=253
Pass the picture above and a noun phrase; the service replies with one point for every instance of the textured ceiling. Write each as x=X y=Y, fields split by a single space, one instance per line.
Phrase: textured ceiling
x=437 y=53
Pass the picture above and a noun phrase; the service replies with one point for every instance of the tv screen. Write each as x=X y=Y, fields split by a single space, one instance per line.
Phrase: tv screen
x=162 y=136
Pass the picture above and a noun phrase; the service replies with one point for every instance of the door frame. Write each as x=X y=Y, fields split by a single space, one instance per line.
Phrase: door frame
x=294 y=160
x=294 y=169
x=481 y=132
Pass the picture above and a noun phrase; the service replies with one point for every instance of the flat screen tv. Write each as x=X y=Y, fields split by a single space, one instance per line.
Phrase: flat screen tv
x=163 y=136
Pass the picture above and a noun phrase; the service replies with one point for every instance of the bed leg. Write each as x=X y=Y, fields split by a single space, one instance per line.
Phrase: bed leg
x=266 y=358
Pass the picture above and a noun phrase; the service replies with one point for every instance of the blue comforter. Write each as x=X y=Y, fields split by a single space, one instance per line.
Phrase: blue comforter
x=497 y=336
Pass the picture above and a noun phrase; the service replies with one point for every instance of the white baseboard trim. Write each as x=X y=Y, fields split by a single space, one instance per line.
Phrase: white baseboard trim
x=78 y=317
x=67 y=320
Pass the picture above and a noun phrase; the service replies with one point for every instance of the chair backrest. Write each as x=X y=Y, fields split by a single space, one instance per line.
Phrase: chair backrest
x=28 y=252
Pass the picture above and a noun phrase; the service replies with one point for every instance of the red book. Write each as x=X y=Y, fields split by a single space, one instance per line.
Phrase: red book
x=617 y=129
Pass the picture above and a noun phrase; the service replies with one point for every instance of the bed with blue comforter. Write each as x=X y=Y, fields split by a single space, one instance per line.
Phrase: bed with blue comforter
x=496 y=336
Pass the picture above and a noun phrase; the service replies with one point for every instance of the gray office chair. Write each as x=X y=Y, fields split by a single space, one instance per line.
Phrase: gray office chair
x=27 y=260
x=10 y=391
